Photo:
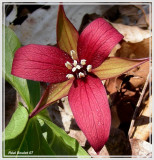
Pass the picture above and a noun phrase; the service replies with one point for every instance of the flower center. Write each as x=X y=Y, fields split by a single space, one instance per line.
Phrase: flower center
x=79 y=70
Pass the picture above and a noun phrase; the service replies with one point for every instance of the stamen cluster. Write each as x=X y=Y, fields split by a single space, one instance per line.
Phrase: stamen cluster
x=79 y=70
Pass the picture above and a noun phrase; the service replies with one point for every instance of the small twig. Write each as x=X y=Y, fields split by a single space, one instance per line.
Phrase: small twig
x=137 y=106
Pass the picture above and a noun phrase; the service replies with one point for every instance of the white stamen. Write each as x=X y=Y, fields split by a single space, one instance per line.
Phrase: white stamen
x=78 y=67
x=83 y=62
x=73 y=55
x=68 y=65
x=89 y=68
x=73 y=69
x=75 y=63
x=81 y=75
x=70 y=76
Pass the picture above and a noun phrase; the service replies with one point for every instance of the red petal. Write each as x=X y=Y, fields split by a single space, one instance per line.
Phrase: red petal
x=40 y=63
x=89 y=104
x=96 y=42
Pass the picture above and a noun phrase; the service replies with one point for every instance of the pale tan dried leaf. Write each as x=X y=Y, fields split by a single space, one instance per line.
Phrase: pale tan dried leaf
x=132 y=34
x=102 y=154
x=140 y=148
x=143 y=126
x=135 y=50
x=140 y=75
x=113 y=85
x=79 y=136
x=66 y=106
x=60 y=117
x=92 y=152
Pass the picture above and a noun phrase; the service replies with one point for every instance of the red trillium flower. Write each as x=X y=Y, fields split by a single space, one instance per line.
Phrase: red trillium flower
x=76 y=69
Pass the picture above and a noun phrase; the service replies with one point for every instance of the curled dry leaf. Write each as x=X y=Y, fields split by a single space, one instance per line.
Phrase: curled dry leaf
x=128 y=14
x=132 y=34
x=112 y=86
x=136 y=15
x=143 y=21
x=135 y=50
x=145 y=12
x=128 y=10
x=139 y=75
x=121 y=110
x=141 y=148
x=143 y=125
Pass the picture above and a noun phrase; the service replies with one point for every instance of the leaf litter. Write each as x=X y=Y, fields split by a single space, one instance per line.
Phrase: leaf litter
x=123 y=92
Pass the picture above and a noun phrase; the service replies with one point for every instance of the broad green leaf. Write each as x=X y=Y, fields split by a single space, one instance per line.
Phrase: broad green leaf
x=39 y=137
x=60 y=142
x=17 y=123
x=30 y=141
x=67 y=35
x=115 y=66
x=53 y=93
x=28 y=90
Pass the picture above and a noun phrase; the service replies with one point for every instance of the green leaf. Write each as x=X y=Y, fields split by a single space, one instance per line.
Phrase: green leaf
x=39 y=137
x=28 y=90
x=58 y=140
x=17 y=124
x=31 y=141
x=33 y=93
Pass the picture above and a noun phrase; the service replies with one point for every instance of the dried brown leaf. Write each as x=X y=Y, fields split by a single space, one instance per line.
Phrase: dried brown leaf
x=129 y=14
x=140 y=148
x=134 y=50
x=79 y=136
x=132 y=34
x=113 y=85
x=140 y=75
x=114 y=50
x=143 y=125
x=128 y=10
x=143 y=22
x=103 y=153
